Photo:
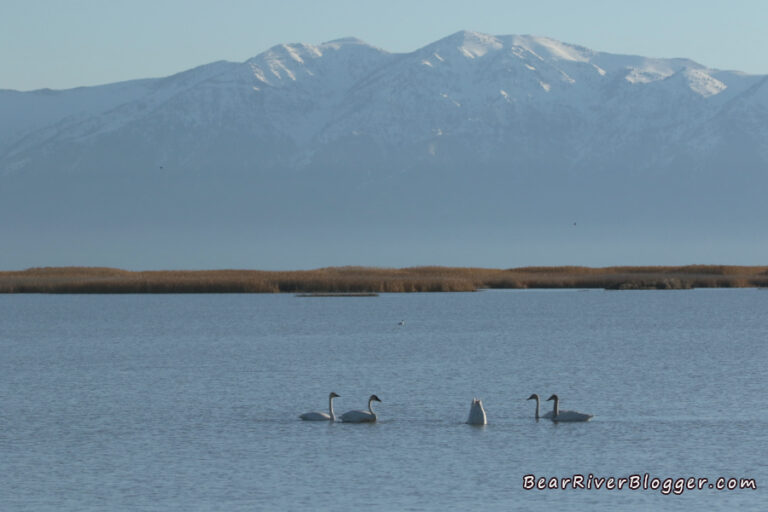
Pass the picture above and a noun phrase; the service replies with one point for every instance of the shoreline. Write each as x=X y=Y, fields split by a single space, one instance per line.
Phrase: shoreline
x=371 y=280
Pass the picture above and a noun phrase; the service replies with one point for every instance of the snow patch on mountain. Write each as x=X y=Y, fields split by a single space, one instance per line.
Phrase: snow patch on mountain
x=339 y=145
x=471 y=86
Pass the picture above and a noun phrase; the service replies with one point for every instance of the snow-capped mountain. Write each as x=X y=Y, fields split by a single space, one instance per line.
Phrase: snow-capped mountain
x=337 y=153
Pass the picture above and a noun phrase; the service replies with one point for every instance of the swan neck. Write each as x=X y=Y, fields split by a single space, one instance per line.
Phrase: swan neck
x=330 y=409
x=537 y=407
x=370 y=407
x=556 y=409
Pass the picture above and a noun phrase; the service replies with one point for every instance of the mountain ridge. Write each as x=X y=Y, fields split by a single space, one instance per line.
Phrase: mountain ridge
x=520 y=130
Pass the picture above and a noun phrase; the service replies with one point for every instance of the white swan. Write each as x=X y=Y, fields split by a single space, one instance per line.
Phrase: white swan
x=546 y=415
x=558 y=415
x=477 y=413
x=361 y=416
x=322 y=416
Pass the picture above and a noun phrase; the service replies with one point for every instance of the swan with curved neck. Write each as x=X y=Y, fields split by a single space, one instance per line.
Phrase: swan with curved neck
x=546 y=415
x=322 y=416
x=477 y=413
x=361 y=416
x=558 y=415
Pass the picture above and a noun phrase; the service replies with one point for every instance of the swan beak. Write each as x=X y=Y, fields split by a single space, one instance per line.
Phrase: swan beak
x=551 y=398
x=532 y=397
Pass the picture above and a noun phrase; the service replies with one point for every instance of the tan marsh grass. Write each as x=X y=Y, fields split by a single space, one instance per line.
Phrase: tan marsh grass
x=372 y=279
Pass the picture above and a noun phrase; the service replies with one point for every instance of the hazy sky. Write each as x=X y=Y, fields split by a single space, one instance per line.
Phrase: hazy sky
x=67 y=43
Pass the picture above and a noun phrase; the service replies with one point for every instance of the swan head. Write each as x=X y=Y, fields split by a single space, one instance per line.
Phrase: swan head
x=333 y=395
x=374 y=398
x=553 y=397
x=533 y=397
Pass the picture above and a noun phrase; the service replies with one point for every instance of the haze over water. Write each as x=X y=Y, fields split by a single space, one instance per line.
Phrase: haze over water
x=191 y=402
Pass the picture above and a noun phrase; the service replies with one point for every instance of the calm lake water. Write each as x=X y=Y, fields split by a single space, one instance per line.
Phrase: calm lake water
x=191 y=402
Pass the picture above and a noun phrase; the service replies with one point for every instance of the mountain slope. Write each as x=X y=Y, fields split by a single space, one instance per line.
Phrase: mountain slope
x=473 y=150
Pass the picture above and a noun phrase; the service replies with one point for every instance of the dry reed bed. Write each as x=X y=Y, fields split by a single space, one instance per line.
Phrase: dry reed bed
x=365 y=279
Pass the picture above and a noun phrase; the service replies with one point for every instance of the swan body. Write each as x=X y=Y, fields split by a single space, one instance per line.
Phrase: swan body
x=477 y=413
x=322 y=416
x=546 y=415
x=361 y=416
x=558 y=415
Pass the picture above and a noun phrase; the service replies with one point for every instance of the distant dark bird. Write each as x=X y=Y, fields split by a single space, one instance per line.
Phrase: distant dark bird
x=401 y=322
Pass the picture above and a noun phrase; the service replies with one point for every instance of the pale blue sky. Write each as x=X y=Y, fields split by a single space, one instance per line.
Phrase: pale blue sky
x=67 y=43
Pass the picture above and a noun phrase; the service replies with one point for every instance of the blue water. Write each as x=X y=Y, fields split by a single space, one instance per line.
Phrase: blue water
x=191 y=402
